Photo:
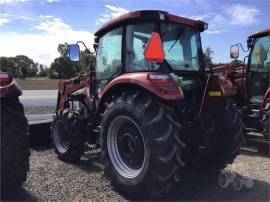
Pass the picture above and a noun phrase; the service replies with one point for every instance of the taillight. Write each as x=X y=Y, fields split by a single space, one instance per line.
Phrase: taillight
x=159 y=78
x=5 y=79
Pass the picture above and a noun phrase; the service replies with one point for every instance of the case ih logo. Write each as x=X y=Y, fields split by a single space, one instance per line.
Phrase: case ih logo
x=238 y=182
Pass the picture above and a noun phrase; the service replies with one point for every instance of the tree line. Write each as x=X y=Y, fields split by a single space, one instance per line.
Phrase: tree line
x=22 y=66
x=207 y=60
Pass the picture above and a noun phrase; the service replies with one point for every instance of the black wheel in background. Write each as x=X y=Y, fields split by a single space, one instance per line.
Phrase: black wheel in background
x=228 y=136
x=15 y=150
x=68 y=135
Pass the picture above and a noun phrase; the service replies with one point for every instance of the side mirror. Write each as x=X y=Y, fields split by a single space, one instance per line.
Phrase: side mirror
x=74 y=52
x=154 y=51
x=234 y=51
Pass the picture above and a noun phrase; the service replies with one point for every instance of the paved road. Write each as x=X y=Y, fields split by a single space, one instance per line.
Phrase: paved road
x=37 y=98
x=39 y=118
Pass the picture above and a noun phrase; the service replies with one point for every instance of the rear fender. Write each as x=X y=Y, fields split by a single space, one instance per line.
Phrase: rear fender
x=164 y=89
x=9 y=87
x=219 y=87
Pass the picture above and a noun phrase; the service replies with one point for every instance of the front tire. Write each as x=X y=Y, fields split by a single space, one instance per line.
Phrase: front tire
x=142 y=146
x=14 y=144
x=68 y=135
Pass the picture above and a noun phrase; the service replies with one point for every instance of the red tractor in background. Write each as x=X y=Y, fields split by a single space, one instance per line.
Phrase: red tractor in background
x=15 y=149
x=149 y=104
x=253 y=83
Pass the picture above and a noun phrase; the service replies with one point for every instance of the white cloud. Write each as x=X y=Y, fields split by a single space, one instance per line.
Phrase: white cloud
x=51 y=1
x=22 y=1
x=45 y=17
x=230 y=18
x=242 y=15
x=4 y=19
x=217 y=24
x=177 y=2
x=24 y=18
x=42 y=47
x=11 y=1
x=7 y=18
x=53 y=26
x=110 y=13
x=202 y=17
x=116 y=11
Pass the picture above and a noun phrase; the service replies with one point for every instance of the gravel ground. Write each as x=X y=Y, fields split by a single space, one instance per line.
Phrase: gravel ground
x=50 y=179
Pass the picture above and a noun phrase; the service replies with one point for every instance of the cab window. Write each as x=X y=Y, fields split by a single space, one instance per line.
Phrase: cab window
x=136 y=40
x=109 y=55
x=181 y=45
x=260 y=58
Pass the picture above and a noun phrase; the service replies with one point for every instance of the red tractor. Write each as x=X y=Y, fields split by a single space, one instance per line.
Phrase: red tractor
x=14 y=135
x=149 y=104
x=253 y=83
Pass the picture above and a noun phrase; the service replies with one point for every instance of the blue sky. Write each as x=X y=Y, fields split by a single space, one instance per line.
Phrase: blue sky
x=35 y=27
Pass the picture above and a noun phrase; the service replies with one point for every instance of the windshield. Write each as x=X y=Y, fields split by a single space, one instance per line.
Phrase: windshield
x=260 y=56
x=181 y=44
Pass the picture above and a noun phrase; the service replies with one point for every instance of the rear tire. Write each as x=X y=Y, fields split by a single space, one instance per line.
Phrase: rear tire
x=228 y=136
x=151 y=166
x=14 y=144
x=68 y=135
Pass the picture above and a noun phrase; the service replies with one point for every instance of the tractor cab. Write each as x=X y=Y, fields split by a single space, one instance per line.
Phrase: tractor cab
x=258 y=66
x=121 y=46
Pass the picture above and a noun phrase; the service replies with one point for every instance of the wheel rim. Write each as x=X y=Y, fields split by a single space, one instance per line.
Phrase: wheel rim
x=60 y=135
x=126 y=147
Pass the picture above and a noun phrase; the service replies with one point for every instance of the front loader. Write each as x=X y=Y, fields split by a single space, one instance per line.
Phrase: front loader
x=149 y=104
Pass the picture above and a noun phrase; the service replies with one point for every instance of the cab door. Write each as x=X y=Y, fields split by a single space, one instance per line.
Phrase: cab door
x=109 y=57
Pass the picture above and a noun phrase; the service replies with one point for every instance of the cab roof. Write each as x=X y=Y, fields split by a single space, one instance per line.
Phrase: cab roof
x=262 y=33
x=144 y=15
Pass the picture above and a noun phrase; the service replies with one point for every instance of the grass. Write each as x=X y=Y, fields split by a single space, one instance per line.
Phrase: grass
x=42 y=83
x=39 y=110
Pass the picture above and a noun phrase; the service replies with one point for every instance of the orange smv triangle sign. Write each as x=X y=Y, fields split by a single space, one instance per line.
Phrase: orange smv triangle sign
x=154 y=50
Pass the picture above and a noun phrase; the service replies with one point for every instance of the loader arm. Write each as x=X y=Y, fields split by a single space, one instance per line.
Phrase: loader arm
x=68 y=87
